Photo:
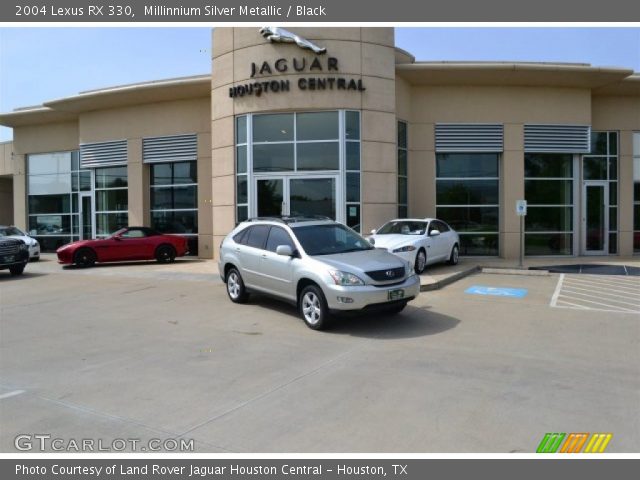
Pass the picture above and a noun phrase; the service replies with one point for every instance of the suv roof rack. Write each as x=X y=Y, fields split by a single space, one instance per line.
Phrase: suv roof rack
x=290 y=219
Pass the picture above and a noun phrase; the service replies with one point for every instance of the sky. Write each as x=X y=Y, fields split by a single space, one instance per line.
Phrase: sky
x=42 y=64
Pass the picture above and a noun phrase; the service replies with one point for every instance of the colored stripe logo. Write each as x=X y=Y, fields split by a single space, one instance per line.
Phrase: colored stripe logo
x=574 y=442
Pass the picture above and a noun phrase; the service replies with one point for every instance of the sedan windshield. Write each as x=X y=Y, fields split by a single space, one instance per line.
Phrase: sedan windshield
x=10 y=231
x=403 y=227
x=329 y=239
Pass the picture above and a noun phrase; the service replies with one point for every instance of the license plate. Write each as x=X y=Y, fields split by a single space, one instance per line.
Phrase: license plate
x=9 y=258
x=396 y=294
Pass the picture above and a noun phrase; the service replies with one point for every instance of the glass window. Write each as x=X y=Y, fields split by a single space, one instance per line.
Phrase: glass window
x=49 y=224
x=402 y=166
x=318 y=156
x=461 y=165
x=241 y=192
x=112 y=177
x=598 y=143
x=353 y=187
x=49 y=203
x=175 y=221
x=468 y=197
x=278 y=236
x=352 y=125
x=273 y=158
x=273 y=128
x=549 y=220
x=548 y=192
x=49 y=184
x=49 y=163
x=108 y=223
x=594 y=168
x=467 y=192
x=241 y=129
x=549 y=165
x=107 y=200
x=258 y=236
x=174 y=200
x=241 y=159
x=636 y=192
x=353 y=155
x=112 y=202
x=317 y=126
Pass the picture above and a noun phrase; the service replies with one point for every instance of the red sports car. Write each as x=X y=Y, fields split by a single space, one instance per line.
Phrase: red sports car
x=132 y=243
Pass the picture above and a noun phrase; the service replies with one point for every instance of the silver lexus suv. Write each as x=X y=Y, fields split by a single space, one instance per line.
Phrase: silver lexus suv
x=317 y=264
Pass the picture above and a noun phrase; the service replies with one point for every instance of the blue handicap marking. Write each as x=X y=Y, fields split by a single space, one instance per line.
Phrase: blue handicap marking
x=497 y=291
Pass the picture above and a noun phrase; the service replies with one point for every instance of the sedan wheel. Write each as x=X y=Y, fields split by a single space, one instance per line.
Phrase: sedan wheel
x=165 y=254
x=235 y=287
x=313 y=308
x=421 y=261
x=84 y=258
x=455 y=255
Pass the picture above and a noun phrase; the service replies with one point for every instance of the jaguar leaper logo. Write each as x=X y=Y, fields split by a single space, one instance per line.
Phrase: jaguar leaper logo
x=280 y=35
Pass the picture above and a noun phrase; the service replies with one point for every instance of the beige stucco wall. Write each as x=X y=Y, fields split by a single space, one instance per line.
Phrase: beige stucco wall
x=511 y=106
x=133 y=123
x=362 y=53
x=621 y=113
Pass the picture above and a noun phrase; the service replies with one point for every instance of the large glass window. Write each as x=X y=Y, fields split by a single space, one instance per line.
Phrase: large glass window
x=174 y=200
x=636 y=192
x=402 y=171
x=467 y=198
x=53 y=180
x=300 y=142
x=112 y=204
x=602 y=164
x=548 y=189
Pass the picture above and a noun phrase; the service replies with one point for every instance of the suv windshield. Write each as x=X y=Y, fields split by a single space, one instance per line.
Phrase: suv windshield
x=9 y=231
x=329 y=239
x=403 y=227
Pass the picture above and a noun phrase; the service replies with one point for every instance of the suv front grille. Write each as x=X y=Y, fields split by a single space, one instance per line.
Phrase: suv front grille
x=387 y=275
x=10 y=247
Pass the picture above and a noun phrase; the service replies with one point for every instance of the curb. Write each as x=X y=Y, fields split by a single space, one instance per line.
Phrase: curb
x=449 y=280
x=515 y=271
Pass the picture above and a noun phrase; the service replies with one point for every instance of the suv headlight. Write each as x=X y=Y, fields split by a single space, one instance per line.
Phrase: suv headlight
x=345 y=278
x=407 y=248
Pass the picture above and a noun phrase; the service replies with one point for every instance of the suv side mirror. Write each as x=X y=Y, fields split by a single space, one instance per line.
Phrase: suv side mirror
x=434 y=233
x=284 y=250
x=373 y=232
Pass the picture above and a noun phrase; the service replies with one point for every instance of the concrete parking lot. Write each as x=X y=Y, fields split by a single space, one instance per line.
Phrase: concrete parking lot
x=143 y=351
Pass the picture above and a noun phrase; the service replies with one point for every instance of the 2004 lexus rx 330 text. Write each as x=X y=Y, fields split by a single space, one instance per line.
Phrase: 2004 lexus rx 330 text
x=321 y=266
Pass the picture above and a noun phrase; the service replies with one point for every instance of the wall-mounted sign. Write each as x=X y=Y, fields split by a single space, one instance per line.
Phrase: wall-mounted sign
x=319 y=64
x=521 y=208
x=280 y=35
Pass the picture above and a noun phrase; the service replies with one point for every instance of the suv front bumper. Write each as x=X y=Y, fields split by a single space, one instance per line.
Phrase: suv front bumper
x=341 y=298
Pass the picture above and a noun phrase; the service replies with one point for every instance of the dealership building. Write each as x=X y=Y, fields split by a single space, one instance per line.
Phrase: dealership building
x=338 y=122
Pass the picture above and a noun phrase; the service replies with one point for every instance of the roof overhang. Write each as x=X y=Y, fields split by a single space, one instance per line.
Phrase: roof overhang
x=135 y=94
x=630 y=86
x=35 y=116
x=511 y=74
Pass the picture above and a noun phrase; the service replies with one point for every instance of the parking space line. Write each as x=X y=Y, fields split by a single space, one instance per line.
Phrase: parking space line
x=607 y=284
x=573 y=287
x=613 y=300
x=556 y=293
x=11 y=394
x=633 y=292
x=623 y=309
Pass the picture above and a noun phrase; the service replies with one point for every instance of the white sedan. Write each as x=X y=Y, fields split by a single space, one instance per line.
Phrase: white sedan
x=421 y=241
x=32 y=243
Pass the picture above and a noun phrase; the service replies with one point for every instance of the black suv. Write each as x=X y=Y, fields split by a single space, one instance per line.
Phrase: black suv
x=14 y=255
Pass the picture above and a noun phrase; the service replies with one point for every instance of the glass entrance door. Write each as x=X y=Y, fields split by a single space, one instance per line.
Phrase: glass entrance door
x=86 y=216
x=595 y=218
x=297 y=196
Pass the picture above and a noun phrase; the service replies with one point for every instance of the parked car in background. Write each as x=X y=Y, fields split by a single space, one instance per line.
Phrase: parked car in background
x=319 y=265
x=32 y=243
x=421 y=241
x=131 y=243
x=14 y=255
